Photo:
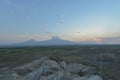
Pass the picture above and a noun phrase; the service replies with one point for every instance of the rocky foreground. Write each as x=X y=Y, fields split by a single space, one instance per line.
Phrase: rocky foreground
x=51 y=68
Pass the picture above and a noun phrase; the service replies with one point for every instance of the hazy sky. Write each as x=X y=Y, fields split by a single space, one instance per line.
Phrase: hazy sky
x=74 y=20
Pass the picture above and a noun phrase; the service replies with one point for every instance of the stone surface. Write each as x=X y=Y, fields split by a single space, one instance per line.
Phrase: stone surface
x=52 y=68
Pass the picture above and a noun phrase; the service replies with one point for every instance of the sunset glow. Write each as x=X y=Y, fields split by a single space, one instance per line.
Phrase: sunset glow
x=79 y=20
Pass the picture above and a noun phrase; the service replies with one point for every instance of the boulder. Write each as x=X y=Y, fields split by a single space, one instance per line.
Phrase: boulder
x=52 y=68
x=95 y=77
x=80 y=69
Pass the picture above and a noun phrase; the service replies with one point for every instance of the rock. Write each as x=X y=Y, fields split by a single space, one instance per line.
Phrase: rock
x=95 y=77
x=80 y=69
x=52 y=68
x=35 y=75
x=74 y=68
x=88 y=71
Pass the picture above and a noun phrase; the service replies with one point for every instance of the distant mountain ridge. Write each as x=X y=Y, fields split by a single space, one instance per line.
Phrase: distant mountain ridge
x=50 y=42
x=53 y=41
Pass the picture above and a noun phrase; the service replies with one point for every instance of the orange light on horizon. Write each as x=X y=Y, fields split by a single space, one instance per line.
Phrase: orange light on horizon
x=97 y=39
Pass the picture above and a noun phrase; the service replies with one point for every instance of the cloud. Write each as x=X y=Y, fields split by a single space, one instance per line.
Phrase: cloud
x=111 y=40
x=93 y=32
x=96 y=39
x=60 y=22
x=71 y=37
x=77 y=33
x=58 y=15
x=88 y=35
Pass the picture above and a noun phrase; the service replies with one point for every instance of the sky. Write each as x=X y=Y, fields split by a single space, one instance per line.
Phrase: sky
x=73 y=20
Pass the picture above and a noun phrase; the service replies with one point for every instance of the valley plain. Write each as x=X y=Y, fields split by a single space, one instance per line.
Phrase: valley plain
x=106 y=58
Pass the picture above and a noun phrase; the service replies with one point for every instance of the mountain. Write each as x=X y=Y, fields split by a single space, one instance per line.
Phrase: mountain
x=56 y=41
x=53 y=41
x=30 y=42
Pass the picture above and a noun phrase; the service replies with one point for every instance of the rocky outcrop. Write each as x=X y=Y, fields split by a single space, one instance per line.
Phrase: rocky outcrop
x=53 y=68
